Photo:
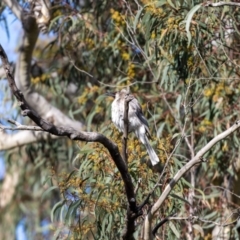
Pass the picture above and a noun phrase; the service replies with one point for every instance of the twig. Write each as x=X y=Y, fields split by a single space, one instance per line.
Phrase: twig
x=137 y=186
x=80 y=70
x=158 y=225
x=22 y=127
x=128 y=98
x=130 y=218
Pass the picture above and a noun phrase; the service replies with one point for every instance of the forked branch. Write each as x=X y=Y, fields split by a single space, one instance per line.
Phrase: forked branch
x=82 y=136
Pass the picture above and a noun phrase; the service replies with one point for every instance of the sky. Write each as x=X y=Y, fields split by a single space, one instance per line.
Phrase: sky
x=9 y=43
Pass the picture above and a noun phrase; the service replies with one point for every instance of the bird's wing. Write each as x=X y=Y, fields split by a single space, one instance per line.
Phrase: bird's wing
x=134 y=104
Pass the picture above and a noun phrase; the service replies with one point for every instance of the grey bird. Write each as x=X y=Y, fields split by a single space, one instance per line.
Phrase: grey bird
x=136 y=121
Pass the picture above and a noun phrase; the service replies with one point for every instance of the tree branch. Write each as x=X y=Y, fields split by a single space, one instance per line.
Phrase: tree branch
x=130 y=218
x=20 y=127
x=219 y=4
x=22 y=73
x=75 y=135
x=19 y=139
x=125 y=132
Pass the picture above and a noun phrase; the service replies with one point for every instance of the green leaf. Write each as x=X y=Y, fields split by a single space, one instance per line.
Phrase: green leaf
x=199 y=229
x=189 y=19
x=136 y=20
x=171 y=4
x=48 y=191
x=180 y=198
x=56 y=208
x=174 y=229
x=71 y=213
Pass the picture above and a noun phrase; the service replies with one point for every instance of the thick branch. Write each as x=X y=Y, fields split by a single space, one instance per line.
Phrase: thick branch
x=219 y=4
x=10 y=141
x=73 y=134
x=23 y=65
x=195 y=160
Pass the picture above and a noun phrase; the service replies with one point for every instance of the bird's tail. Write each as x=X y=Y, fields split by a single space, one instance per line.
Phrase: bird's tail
x=152 y=154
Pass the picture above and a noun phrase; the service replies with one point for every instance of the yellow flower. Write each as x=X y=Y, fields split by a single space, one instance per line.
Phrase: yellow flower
x=208 y=92
x=206 y=122
x=202 y=129
x=153 y=35
x=35 y=80
x=125 y=56
x=117 y=17
x=98 y=109
x=170 y=21
x=211 y=161
x=82 y=99
x=225 y=147
x=90 y=43
x=130 y=72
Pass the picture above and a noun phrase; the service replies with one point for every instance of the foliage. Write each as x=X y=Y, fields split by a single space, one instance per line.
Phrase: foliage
x=181 y=59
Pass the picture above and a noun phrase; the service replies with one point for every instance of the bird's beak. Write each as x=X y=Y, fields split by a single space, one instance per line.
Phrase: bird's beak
x=110 y=94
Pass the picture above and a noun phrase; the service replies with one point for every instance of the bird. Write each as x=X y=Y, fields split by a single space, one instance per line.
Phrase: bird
x=137 y=123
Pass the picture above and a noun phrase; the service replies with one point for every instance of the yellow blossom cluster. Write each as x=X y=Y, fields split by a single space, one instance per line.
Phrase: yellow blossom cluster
x=86 y=93
x=39 y=79
x=117 y=18
x=125 y=56
x=90 y=43
x=190 y=62
x=212 y=161
x=131 y=71
x=205 y=125
x=215 y=91
x=225 y=147
x=153 y=35
x=165 y=146
x=83 y=98
x=151 y=7
x=83 y=230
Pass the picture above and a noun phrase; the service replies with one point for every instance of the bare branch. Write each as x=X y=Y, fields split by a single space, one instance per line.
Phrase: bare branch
x=130 y=226
x=22 y=76
x=10 y=141
x=138 y=185
x=219 y=4
x=125 y=132
x=20 y=127
x=154 y=231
